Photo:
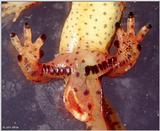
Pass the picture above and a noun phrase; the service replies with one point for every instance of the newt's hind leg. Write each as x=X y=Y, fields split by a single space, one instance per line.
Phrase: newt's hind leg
x=128 y=46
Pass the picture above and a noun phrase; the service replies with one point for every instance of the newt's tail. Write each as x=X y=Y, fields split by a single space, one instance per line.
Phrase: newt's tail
x=111 y=117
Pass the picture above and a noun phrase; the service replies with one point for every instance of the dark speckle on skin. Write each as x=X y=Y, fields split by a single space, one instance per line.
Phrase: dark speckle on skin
x=19 y=57
x=83 y=61
x=98 y=92
x=12 y=34
x=43 y=37
x=139 y=47
x=116 y=43
x=75 y=89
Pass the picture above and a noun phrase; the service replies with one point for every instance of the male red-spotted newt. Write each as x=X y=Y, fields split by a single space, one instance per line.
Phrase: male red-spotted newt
x=83 y=56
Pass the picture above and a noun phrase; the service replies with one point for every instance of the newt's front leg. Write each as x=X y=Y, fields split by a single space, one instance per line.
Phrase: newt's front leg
x=30 y=54
x=128 y=46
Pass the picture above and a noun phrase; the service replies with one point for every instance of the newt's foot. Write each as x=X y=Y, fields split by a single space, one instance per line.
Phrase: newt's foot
x=129 y=39
x=128 y=46
x=30 y=51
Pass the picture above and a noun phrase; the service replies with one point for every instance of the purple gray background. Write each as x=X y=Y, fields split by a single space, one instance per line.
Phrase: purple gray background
x=26 y=105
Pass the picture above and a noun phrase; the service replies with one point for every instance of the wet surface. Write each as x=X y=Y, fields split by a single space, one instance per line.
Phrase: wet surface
x=26 y=105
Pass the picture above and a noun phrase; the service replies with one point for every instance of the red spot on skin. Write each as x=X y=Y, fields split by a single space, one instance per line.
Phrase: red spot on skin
x=77 y=74
x=86 y=92
x=75 y=89
x=142 y=35
x=89 y=106
x=67 y=60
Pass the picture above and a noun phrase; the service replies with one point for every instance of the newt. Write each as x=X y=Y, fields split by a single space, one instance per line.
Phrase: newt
x=84 y=57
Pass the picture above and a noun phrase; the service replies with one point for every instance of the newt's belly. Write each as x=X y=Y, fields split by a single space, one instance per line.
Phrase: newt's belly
x=90 y=25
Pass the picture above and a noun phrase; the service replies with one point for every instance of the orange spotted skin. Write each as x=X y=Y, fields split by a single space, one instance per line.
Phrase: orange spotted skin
x=84 y=57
